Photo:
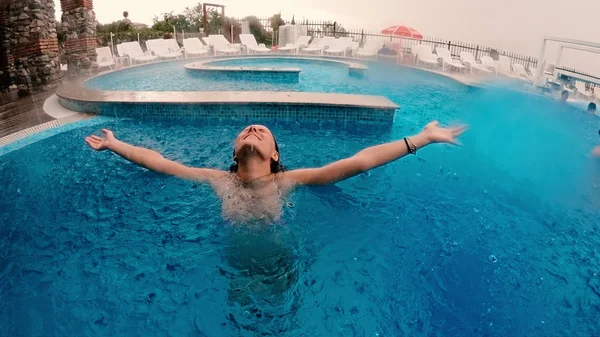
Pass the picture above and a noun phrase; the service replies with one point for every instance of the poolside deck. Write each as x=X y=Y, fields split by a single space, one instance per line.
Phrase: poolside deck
x=19 y=117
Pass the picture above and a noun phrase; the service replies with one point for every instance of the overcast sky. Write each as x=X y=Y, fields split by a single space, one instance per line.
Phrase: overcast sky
x=514 y=25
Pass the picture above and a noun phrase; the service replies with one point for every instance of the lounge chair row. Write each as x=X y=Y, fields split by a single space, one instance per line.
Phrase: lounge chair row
x=219 y=45
x=249 y=45
x=326 y=45
x=486 y=64
x=587 y=93
x=166 y=49
x=133 y=53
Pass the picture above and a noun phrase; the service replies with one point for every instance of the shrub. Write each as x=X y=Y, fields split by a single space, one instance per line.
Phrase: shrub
x=256 y=29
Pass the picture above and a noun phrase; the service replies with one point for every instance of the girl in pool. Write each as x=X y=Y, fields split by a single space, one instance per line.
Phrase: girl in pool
x=596 y=149
x=256 y=184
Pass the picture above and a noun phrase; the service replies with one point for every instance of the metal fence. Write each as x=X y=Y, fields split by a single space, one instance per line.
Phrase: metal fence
x=327 y=28
x=579 y=72
x=332 y=28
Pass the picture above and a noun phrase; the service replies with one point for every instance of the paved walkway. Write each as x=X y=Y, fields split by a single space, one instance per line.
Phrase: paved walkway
x=24 y=113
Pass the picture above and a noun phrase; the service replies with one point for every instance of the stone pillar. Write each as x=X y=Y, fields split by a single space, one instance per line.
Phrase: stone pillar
x=79 y=25
x=34 y=45
x=6 y=59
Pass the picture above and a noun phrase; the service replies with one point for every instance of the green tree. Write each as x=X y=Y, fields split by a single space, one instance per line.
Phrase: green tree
x=194 y=17
x=330 y=28
x=114 y=27
x=276 y=21
x=214 y=22
x=256 y=28
x=226 y=26
x=170 y=20
x=340 y=31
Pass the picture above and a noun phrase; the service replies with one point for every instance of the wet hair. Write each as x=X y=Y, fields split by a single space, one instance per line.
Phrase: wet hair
x=591 y=106
x=276 y=166
x=564 y=93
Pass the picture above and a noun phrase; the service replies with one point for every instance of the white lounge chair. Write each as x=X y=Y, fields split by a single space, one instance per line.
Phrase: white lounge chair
x=581 y=90
x=194 y=47
x=567 y=89
x=426 y=56
x=370 y=49
x=320 y=45
x=161 y=50
x=315 y=41
x=489 y=63
x=354 y=45
x=135 y=53
x=104 y=58
x=174 y=47
x=339 y=46
x=414 y=51
x=313 y=44
x=120 y=50
x=444 y=54
x=221 y=45
x=249 y=41
x=520 y=72
x=533 y=73
x=302 y=42
x=122 y=58
x=505 y=66
x=469 y=60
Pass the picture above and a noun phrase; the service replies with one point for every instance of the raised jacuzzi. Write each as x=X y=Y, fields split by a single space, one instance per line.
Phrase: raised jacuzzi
x=235 y=104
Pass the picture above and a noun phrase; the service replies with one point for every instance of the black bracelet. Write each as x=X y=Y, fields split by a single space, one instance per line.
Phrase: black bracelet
x=410 y=149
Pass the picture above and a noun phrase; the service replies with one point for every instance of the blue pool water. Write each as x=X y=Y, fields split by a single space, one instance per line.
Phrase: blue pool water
x=498 y=237
x=314 y=77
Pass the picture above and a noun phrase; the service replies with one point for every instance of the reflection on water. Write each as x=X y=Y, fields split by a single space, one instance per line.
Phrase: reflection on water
x=263 y=271
x=259 y=256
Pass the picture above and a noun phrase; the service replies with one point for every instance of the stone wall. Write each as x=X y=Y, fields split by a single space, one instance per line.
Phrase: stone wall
x=34 y=46
x=6 y=59
x=79 y=25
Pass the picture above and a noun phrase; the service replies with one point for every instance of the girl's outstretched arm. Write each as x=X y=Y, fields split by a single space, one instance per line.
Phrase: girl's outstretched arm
x=374 y=156
x=149 y=159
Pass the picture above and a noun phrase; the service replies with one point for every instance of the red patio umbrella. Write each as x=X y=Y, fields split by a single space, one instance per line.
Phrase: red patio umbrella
x=402 y=31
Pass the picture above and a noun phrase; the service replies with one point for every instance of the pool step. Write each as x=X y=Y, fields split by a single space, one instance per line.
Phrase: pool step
x=234 y=105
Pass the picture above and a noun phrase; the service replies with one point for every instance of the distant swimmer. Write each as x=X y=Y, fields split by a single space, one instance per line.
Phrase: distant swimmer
x=591 y=108
x=256 y=185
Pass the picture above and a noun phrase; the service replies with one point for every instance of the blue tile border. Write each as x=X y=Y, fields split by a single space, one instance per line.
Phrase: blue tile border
x=238 y=105
x=246 y=74
x=355 y=69
x=17 y=144
x=236 y=112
